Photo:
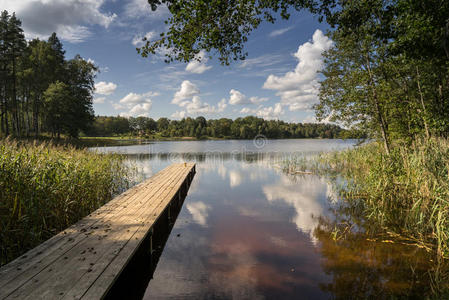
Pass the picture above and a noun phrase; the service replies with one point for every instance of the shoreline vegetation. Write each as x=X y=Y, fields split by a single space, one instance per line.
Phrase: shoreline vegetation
x=201 y=128
x=46 y=187
x=92 y=141
x=404 y=194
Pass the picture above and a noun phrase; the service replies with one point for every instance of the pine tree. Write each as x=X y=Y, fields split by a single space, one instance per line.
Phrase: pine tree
x=4 y=19
x=17 y=45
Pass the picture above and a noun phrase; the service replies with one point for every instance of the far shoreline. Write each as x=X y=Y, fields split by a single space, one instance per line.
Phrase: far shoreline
x=111 y=141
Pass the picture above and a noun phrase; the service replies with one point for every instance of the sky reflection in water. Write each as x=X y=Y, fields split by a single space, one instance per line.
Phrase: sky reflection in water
x=249 y=231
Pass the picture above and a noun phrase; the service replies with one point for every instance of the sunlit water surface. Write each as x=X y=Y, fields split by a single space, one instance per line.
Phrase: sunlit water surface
x=249 y=231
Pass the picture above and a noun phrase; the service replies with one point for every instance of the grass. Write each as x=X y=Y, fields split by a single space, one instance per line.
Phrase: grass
x=405 y=193
x=45 y=188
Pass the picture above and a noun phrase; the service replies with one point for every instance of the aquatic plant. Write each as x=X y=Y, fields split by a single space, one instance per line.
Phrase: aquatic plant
x=45 y=188
x=406 y=193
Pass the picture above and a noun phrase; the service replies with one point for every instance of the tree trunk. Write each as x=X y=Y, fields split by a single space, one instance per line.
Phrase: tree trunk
x=382 y=122
x=2 y=111
x=446 y=39
x=380 y=118
x=423 y=105
x=36 y=116
x=15 y=107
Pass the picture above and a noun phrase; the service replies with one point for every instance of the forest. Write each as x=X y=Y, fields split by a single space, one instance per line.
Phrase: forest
x=40 y=90
x=200 y=128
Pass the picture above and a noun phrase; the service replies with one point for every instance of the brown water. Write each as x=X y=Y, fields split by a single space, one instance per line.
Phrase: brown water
x=249 y=231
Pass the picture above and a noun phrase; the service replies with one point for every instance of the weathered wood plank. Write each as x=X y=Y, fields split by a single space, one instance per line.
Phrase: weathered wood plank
x=84 y=258
x=115 y=267
x=32 y=265
x=21 y=264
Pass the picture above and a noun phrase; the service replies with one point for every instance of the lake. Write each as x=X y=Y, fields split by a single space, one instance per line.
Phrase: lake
x=247 y=230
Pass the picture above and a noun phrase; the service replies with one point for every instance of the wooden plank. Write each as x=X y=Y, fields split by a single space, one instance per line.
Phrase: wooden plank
x=102 y=250
x=94 y=249
x=35 y=261
x=104 y=282
x=20 y=264
x=36 y=279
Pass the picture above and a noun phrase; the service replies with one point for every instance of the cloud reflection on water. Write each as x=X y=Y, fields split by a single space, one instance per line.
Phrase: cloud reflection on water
x=308 y=196
x=199 y=211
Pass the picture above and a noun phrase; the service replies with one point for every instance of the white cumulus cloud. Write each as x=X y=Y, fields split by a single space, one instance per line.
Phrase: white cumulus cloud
x=196 y=106
x=265 y=112
x=238 y=98
x=187 y=91
x=137 y=104
x=133 y=98
x=198 y=65
x=298 y=89
x=188 y=97
x=105 y=88
x=69 y=19
x=222 y=105
x=141 y=109
x=179 y=114
x=117 y=106
x=271 y=112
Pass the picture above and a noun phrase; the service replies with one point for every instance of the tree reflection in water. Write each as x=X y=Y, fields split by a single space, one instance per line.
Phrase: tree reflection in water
x=364 y=265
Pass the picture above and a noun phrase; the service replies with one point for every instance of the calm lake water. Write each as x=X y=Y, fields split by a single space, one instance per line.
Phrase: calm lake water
x=249 y=231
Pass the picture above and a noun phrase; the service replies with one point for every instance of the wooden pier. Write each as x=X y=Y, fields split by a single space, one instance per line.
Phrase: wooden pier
x=85 y=260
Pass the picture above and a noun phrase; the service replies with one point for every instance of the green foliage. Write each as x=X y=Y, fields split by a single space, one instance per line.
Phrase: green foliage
x=57 y=100
x=45 y=188
x=222 y=26
x=240 y=128
x=380 y=75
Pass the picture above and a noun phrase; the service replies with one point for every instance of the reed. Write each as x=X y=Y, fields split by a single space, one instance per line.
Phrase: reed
x=46 y=188
x=405 y=193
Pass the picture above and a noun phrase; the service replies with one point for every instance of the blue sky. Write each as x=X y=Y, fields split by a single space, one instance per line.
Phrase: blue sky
x=278 y=80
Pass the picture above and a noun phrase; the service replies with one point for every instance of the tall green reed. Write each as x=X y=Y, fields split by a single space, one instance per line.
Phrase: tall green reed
x=45 y=188
x=405 y=193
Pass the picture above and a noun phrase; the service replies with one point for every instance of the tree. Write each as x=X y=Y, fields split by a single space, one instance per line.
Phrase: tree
x=4 y=19
x=58 y=57
x=38 y=70
x=380 y=77
x=162 y=124
x=12 y=47
x=16 y=47
x=80 y=80
x=223 y=26
x=27 y=70
x=58 y=100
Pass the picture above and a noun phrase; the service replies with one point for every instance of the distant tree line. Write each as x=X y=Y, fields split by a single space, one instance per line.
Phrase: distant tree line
x=41 y=91
x=240 y=128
